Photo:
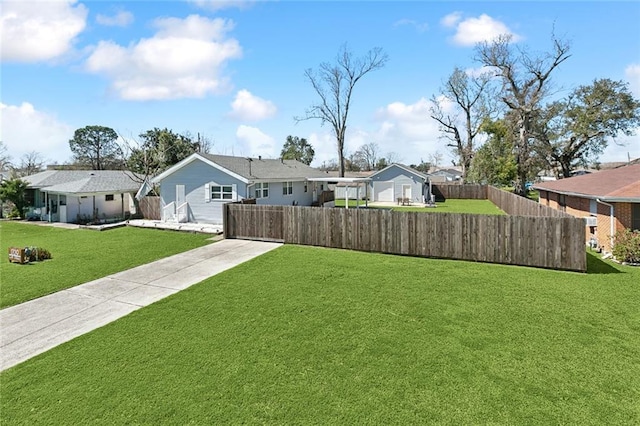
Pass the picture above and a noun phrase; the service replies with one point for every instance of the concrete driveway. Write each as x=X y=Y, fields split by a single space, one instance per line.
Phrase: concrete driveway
x=36 y=326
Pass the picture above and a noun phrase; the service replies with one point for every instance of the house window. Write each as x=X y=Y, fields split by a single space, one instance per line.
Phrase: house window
x=287 y=188
x=108 y=197
x=635 y=217
x=262 y=190
x=221 y=192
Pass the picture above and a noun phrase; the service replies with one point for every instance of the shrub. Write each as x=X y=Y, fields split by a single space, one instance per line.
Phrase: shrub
x=37 y=253
x=14 y=213
x=627 y=246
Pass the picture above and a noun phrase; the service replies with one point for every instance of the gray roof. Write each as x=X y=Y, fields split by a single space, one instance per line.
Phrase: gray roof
x=406 y=168
x=447 y=172
x=84 y=181
x=265 y=168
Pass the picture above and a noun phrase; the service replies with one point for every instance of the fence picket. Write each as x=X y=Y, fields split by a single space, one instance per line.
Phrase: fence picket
x=544 y=240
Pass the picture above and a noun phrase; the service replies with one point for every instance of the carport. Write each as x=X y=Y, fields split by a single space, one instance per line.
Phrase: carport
x=348 y=182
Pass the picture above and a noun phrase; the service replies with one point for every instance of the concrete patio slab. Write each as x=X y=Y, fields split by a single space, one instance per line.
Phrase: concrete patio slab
x=34 y=327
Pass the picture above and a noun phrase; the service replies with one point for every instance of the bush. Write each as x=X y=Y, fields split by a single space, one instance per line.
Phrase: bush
x=35 y=254
x=627 y=246
x=14 y=213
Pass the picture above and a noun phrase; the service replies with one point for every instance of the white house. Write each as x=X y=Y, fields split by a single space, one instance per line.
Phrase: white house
x=399 y=181
x=76 y=196
x=195 y=189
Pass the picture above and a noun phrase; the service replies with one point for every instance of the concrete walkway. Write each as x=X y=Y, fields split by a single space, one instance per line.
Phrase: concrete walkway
x=36 y=326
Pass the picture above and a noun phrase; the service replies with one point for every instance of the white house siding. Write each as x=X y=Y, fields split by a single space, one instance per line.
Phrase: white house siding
x=194 y=176
x=276 y=198
x=78 y=207
x=382 y=191
x=401 y=177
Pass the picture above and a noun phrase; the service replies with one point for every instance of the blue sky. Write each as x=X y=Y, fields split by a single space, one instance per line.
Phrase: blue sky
x=233 y=71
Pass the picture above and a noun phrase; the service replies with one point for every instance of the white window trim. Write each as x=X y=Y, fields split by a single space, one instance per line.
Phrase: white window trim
x=261 y=187
x=287 y=188
x=208 y=192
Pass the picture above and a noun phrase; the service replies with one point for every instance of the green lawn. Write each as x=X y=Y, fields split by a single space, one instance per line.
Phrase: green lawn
x=311 y=335
x=80 y=255
x=449 y=206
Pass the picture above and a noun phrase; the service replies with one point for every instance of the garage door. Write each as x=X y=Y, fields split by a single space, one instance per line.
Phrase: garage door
x=383 y=191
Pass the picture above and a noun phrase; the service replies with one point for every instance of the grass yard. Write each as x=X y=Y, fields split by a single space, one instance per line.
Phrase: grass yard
x=311 y=335
x=449 y=206
x=80 y=255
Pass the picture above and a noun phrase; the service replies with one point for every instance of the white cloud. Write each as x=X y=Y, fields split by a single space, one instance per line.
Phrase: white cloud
x=253 y=142
x=33 y=31
x=451 y=19
x=480 y=71
x=475 y=30
x=324 y=145
x=184 y=59
x=409 y=131
x=404 y=129
x=122 y=18
x=632 y=73
x=25 y=129
x=419 y=26
x=222 y=4
x=248 y=107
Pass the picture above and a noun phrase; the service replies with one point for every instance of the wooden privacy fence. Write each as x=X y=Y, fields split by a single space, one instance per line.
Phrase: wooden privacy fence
x=442 y=191
x=546 y=242
x=150 y=207
x=516 y=205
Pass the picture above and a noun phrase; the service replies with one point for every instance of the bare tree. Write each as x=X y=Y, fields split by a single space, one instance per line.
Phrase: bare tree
x=393 y=157
x=525 y=84
x=473 y=100
x=334 y=84
x=367 y=155
x=30 y=163
x=5 y=158
x=203 y=144
x=436 y=159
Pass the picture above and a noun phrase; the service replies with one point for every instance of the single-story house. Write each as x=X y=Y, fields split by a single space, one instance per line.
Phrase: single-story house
x=399 y=181
x=609 y=200
x=195 y=189
x=80 y=196
x=446 y=175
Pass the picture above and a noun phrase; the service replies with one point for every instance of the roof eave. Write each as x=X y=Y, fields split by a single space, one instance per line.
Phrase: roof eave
x=192 y=158
x=592 y=196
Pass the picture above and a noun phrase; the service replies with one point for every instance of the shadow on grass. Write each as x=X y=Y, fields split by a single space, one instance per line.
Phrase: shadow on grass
x=595 y=265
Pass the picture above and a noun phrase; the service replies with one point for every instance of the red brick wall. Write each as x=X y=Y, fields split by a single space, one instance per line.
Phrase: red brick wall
x=580 y=207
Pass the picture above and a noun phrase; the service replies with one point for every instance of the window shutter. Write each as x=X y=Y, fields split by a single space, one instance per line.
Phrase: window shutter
x=234 y=192
x=207 y=192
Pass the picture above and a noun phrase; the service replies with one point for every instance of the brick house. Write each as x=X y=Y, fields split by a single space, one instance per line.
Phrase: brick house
x=609 y=201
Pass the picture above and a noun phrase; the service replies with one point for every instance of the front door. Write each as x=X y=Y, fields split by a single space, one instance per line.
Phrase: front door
x=406 y=191
x=180 y=197
x=181 y=212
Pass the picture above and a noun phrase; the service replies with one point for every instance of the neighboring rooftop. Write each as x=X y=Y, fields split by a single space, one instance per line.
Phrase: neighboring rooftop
x=361 y=174
x=265 y=168
x=619 y=184
x=84 y=181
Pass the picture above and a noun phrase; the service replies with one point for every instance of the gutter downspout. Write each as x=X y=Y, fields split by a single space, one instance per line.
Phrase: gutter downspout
x=248 y=194
x=611 y=219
